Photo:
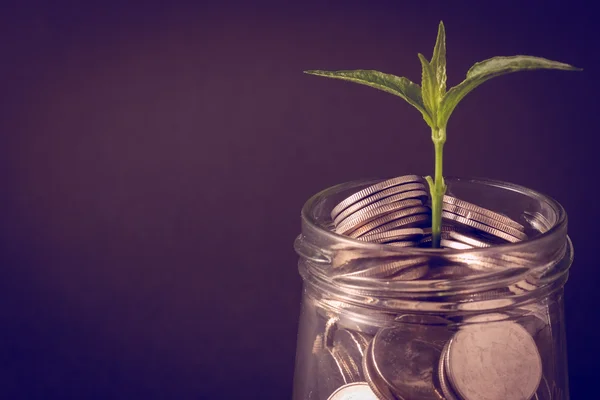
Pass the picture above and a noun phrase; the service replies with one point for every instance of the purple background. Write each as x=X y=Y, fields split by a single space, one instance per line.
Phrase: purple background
x=154 y=161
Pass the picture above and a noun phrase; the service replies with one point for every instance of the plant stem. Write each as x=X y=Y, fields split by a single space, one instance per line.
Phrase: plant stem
x=439 y=187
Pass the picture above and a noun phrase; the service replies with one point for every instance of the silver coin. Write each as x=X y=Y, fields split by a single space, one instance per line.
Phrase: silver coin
x=396 y=193
x=477 y=225
x=354 y=343
x=347 y=365
x=447 y=390
x=393 y=235
x=428 y=238
x=448 y=228
x=354 y=391
x=491 y=263
x=537 y=221
x=376 y=383
x=418 y=220
x=384 y=220
x=468 y=239
x=378 y=187
x=403 y=243
x=489 y=213
x=361 y=218
x=406 y=362
x=453 y=244
x=383 y=270
x=494 y=361
x=410 y=274
x=475 y=216
x=451 y=240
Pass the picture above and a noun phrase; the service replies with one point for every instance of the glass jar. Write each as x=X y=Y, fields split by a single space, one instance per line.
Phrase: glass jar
x=496 y=332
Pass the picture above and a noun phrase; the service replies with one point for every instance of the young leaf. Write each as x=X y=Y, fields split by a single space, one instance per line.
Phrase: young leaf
x=436 y=105
x=484 y=70
x=438 y=60
x=429 y=89
x=399 y=86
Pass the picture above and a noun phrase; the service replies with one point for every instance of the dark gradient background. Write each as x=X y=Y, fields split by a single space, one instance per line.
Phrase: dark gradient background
x=154 y=161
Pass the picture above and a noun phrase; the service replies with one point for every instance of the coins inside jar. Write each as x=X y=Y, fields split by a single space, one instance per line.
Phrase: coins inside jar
x=378 y=355
x=397 y=213
x=488 y=356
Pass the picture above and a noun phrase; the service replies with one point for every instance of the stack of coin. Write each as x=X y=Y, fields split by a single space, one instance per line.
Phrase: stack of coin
x=397 y=212
x=488 y=224
x=393 y=206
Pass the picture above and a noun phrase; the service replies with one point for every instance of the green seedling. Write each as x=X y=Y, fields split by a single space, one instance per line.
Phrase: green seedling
x=436 y=104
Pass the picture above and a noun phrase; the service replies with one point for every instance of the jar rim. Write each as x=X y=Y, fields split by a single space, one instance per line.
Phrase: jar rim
x=555 y=229
x=518 y=272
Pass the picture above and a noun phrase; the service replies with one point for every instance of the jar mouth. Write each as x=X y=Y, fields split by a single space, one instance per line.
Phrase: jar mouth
x=537 y=263
x=556 y=227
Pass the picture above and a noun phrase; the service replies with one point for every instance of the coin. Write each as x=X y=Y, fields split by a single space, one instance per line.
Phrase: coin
x=406 y=222
x=480 y=226
x=396 y=193
x=403 y=243
x=428 y=238
x=410 y=274
x=384 y=270
x=468 y=239
x=475 y=216
x=354 y=391
x=363 y=217
x=355 y=344
x=453 y=244
x=373 y=189
x=376 y=383
x=448 y=228
x=382 y=221
x=406 y=363
x=494 y=361
x=447 y=390
x=346 y=364
x=393 y=235
x=491 y=214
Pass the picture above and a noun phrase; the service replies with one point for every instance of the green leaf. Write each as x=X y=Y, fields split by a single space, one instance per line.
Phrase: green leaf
x=438 y=60
x=429 y=89
x=496 y=66
x=399 y=86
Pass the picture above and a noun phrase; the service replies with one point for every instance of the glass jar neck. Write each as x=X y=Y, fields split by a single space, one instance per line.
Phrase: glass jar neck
x=505 y=275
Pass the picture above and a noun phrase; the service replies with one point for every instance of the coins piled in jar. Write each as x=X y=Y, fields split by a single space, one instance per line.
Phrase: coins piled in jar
x=396 y=212
x=490 y=356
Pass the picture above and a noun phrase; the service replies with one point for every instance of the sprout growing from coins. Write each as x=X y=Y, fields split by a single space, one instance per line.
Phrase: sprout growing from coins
x=436 y=104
